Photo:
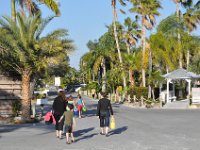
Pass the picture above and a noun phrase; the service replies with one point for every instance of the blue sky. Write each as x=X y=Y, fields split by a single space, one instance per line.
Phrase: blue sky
x=86 y=20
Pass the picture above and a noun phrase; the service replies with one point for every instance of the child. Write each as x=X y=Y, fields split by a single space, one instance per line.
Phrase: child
x=69 y=122
x=80 y=106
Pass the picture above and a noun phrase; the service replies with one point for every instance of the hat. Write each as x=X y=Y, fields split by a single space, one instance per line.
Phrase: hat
x=60 y=90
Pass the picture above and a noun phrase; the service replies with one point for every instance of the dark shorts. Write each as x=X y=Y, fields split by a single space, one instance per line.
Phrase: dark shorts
x=104 y=122
x=68 y=128
x=59 y=125
x=104 y=118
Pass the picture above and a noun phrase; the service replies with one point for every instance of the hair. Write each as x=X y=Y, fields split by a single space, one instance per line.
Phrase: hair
x=70 y=106
x=104 y=94
x=62 y=95
x=70 y=97
x=79 y=96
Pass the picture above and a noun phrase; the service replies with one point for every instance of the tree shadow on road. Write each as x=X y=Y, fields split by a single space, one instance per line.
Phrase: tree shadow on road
x=80 y=133
x=118 y=130
x=90 y=113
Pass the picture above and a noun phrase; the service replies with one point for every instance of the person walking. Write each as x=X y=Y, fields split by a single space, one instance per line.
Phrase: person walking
x=70 y=100
x=81 y=104
x=59 y=106
x=69 y=122
x=104 y=110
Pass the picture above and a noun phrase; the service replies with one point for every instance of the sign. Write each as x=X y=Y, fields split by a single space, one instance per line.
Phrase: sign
x=57 y=81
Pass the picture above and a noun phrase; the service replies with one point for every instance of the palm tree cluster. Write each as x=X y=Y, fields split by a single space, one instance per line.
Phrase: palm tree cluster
x=118 y=55
x=25 y=53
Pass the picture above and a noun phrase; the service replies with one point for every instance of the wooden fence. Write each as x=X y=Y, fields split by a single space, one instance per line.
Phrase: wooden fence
x=9 y=92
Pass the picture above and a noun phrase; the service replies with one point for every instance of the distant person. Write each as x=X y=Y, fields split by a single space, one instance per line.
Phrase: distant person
x=81 y=104
x=104 y=109
x=70 y=100
x=93 y=96
x=69 y=122
x=59 y=106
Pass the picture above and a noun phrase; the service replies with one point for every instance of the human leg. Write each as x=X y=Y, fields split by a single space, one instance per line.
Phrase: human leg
x=60 y=134
x=102 y=124
x=107 y=121
x=67 y=137
x=79 y=110
x=72 y=136
x=56 y=126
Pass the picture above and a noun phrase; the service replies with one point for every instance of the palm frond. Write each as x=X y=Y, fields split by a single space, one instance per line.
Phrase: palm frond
x=42 y=26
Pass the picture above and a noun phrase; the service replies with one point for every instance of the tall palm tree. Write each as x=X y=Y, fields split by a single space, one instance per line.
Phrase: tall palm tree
x=191 y=18
x=13 y=10
x=31 y=6
x=148 y=9
x=131 y=36
x=185 y=3
x=27 y=53
x=114 y=12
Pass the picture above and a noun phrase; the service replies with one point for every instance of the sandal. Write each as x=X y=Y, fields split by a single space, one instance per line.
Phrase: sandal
x=101 y=133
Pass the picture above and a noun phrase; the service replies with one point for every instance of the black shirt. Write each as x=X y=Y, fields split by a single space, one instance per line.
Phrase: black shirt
x=104 y=105
x=59 y=105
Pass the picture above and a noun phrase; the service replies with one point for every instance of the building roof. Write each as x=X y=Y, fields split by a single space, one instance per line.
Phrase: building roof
x=181 y=74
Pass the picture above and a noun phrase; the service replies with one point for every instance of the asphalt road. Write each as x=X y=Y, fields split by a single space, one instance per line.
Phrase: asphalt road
x=136 y=129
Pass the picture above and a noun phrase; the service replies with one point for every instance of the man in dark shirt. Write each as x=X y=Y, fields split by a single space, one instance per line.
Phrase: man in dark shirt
x=104 y=109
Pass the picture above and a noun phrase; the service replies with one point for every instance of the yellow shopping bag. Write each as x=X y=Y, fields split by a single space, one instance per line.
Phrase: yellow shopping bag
x=112 y=123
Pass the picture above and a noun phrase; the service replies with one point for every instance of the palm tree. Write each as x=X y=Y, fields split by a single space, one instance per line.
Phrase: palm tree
x=185 y=3
x=32 y=7
x=148 y=9
x=113 y=3
x=27 y=53
x=131 y=36
x=163 y=52
x=191 y=18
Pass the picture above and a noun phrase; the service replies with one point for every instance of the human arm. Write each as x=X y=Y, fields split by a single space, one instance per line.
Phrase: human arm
x=61 y=118
x=98 y=109
x=111 y=110
x=74 y=122
x=83 y=103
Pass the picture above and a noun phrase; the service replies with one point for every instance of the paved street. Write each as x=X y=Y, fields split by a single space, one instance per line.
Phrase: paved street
x=137 y=129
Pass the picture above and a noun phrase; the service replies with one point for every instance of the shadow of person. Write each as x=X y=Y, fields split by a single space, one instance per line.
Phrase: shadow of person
x=86 y=137
x=117 y=130
x=82 y=132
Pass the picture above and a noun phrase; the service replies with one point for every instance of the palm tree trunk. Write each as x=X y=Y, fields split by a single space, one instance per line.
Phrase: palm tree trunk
x=26 y=102
x=150 y=71
x=116 y=40
x=188 y=56
x=104 y=76
x=13 y=10
x=131 y=79
x=143 y=52
x=179 y=36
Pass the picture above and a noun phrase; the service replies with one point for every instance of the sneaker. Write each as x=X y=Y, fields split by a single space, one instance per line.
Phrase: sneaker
x=68 y=142
x=101 y=133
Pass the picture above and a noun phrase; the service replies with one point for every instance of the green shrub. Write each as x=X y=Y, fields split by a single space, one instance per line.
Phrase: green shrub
x=39 y=96
x=16 y=107
x=139 y=91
